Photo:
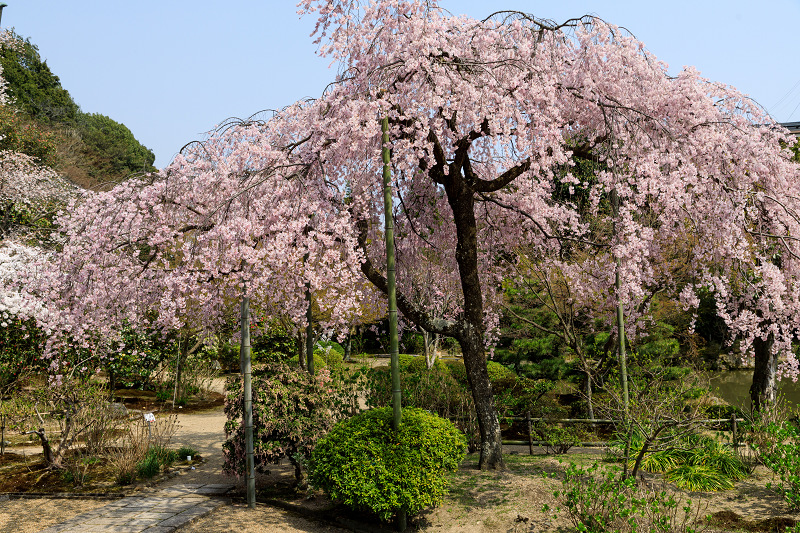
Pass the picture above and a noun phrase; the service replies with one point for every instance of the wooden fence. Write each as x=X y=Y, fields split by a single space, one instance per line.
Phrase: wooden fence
x=731 y=424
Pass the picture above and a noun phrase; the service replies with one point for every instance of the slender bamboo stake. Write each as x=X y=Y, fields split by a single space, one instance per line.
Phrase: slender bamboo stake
x=623 y=362
x=391 y=282
x=177 y=371
x=248 y=401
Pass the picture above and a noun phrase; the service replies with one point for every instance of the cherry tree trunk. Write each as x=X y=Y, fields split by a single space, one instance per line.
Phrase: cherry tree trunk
x=471 y=335
x=491 y=447
x=764 y=390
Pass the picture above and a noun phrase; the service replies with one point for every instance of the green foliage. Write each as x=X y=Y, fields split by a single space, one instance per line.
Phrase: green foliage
x=275 y=339
x=291 y=411
x=156 y=458
x=698 y=478
x=457 y=370
x=366 y=465
x=32 y=86
x=694 y=463
x=558 y=439
x=149 y=466
x=331 y=357
x=598 y=500
x=186 y=451
x=333 y=345
x=498 y=371
x=20 y=134
x=517 y=396
x=21 y=343
x=319 y=362
x=779 y=450
x=112 y=148
x=419 y=364
x=434 y=390
x=404 y=361
x=132 y=360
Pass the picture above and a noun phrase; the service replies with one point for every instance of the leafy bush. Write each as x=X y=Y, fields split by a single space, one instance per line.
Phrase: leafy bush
x=457 y=370
x=498 y=371
x=516 y=396
x=780 y=452
x=291 y=411
x=695 y=463
x=404 y=361
x=366 y=465
x=599 y=500
x=319 y=362
x=333 y=345
x=419 y=364
x=332 y=358
x=156 y=457
x=435 y=391
x=186 y=451
x=558 y=440
x=495 y=369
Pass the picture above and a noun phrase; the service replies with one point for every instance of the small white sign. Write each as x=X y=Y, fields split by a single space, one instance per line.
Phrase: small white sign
x=149 y=417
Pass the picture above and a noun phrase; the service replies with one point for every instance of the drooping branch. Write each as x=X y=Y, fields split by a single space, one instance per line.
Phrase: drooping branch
x=410 y=310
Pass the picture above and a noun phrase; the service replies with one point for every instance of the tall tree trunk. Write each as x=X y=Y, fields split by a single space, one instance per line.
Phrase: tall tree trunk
x=471 y=335
x=491 y=447
x=764 y=390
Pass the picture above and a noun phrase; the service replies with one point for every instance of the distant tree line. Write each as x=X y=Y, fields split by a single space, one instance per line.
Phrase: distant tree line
x=44 y=122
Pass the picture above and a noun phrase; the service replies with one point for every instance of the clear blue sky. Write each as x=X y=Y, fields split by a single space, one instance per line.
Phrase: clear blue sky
x=173 y=69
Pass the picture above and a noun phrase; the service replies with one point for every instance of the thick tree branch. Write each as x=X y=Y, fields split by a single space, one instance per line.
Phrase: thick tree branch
x=441 y=326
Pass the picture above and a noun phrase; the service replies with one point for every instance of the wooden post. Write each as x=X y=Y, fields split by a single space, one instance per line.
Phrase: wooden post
x=530 y=432
x=735 y=439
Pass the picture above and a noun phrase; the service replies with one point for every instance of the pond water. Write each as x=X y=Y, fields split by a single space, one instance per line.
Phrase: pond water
x=733 y=386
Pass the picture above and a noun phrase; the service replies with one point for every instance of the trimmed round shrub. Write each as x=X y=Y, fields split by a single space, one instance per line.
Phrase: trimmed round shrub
x=418 y=365
x=366 y=465
x=335 y=346
x=319 y=362
x=332 y=359
x=498 y=371
x=495 y=369
x=457 y=370
x=403 y=361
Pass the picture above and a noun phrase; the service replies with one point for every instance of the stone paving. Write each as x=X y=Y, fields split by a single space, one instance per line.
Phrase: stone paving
x=161 y=512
